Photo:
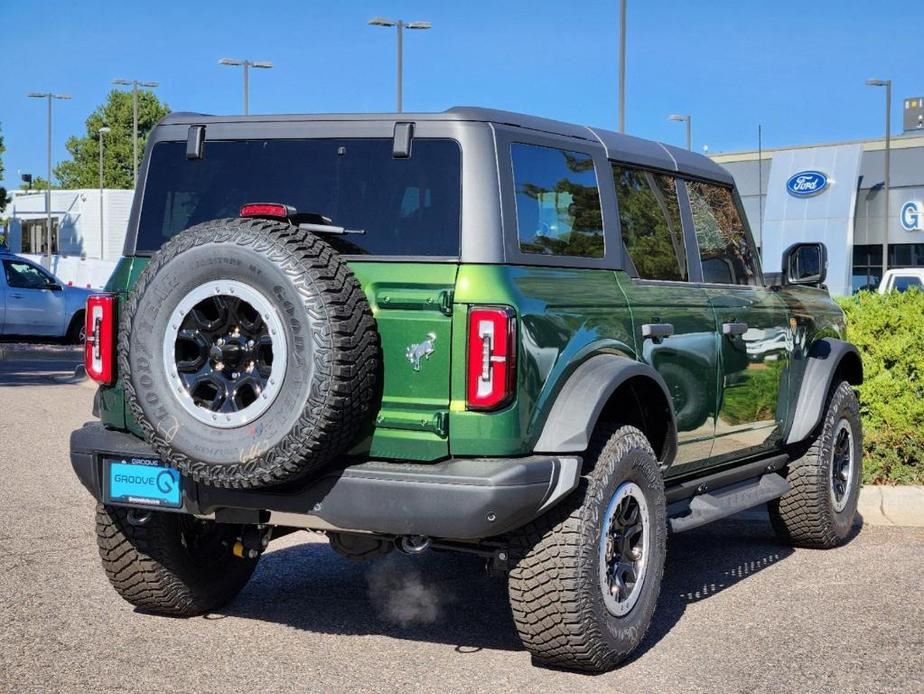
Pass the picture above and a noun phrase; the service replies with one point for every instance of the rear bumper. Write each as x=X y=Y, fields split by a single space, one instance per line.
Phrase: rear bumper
x=461 y=499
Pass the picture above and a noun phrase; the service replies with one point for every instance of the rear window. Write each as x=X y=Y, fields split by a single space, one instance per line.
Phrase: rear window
x=903 y=283
x=405 y=207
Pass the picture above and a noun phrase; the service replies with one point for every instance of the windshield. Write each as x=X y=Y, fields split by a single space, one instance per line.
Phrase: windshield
x=404 y=207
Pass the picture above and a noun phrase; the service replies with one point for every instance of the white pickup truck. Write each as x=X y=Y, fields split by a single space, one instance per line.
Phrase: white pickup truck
x=902 y=279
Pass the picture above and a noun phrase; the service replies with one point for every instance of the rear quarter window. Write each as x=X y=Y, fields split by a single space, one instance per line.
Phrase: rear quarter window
x=557 y=202
x=404 y=207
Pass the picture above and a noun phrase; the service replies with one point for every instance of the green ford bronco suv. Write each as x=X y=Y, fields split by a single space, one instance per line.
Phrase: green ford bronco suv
x=476 y=331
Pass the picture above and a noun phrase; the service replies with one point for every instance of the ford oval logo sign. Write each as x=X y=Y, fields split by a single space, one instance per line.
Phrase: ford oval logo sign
x=806 y=183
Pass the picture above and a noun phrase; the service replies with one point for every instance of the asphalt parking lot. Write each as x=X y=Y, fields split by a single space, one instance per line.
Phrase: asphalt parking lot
x=738 y=612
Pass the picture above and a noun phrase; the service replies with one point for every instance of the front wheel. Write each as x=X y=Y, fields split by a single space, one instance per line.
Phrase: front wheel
x=76 y=331
x=586 y=575
x=170 y=563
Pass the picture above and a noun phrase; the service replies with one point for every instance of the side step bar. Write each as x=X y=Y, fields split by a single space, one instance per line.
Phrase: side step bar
x=726 y=501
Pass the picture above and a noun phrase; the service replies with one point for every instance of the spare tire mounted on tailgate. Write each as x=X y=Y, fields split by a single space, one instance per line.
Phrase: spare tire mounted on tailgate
x=248 y=353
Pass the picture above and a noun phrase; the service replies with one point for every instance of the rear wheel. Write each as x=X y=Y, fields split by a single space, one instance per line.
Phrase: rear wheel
x=820 y=508
x=170 y=563
x=586 y=575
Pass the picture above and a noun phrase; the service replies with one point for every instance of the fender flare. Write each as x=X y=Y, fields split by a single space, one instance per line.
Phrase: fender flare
x=825 y=356
x=576 y=409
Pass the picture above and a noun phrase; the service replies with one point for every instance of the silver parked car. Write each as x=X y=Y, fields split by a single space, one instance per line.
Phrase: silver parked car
x=35 y=303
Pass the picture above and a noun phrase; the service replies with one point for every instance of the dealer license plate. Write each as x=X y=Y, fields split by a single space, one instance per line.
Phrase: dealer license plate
x=142 y=481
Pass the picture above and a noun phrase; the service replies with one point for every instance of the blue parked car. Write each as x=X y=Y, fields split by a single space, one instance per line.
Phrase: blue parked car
x=35 y=303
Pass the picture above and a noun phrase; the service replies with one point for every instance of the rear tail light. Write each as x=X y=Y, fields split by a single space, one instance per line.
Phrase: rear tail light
x=100 y=331
x=492 y=352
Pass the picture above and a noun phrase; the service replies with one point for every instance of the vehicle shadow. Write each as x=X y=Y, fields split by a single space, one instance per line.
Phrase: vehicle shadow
x=448 y=598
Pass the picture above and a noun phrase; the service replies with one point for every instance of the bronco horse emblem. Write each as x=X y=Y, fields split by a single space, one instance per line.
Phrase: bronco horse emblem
x=415 y=353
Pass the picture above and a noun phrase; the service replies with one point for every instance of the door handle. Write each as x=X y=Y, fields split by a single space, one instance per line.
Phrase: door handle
x=734 y=328
x=657 y=331
x=16 y=296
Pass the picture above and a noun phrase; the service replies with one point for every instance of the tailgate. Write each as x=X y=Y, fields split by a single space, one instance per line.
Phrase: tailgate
x=412 y=305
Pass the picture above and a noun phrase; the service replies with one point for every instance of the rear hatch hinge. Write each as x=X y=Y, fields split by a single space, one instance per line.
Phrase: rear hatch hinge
x=435 y=423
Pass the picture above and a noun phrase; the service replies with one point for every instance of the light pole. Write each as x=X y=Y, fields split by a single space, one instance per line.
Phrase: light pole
x=888 y=151
x=689 y=121
x=102 y=236
x=401 y=26
x=247 y=64
x=622 y=66
x=134 y=84
x=49 y=96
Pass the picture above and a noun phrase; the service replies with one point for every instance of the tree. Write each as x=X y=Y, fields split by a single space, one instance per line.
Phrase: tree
x=82 y=171
x=38 y=183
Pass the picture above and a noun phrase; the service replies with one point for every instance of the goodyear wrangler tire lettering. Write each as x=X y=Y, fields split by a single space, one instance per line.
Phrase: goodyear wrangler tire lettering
x=256 y=341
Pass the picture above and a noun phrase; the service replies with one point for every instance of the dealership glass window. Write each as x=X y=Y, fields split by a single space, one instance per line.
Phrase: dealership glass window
x=725 y=246
x=906 y=255
x=558 y=202
x=867 y=267
x=34 y=239
x=649 y=216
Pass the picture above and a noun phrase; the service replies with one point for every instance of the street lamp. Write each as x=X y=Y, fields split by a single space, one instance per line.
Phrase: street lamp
x=247 y=64
x=888 y=151
x=689 y=121
x=401 y=26
x=622 y=66
x=134 y=84
x=102 y=236
x=49 y=96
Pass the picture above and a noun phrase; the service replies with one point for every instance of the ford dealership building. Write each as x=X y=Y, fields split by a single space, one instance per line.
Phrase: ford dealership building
x=834 y=193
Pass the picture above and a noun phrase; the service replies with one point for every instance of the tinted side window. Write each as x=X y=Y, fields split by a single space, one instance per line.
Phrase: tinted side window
x=403 y=206
x=649 y=215
x=21 y=275
x=558 y=202
x=725 y=246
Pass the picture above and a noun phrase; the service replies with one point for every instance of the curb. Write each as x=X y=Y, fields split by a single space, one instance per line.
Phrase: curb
x=895 y=506
x=878 y=505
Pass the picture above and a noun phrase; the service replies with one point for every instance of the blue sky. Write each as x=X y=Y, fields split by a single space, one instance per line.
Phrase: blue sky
x=796 y=68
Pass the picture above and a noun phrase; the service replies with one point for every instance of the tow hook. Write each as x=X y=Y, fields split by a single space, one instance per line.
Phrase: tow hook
x=252 y=542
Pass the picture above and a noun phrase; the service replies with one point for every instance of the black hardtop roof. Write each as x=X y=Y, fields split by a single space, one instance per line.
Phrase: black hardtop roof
x=619 y=147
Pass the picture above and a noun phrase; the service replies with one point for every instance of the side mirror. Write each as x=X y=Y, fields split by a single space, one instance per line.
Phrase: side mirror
x=54 y=286
x=805 y=264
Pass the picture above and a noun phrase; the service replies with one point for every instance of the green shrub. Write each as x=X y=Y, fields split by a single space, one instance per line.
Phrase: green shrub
x=889 y=332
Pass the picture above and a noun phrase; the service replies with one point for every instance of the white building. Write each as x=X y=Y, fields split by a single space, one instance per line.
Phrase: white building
x=86 y=237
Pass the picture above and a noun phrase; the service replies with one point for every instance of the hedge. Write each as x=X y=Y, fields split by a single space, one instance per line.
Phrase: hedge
x=888 y=329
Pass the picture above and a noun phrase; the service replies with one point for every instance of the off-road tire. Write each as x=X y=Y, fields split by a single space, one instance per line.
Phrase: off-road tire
x=330 y=386
x=806 y=516
x=554 y=586
x=149 y=566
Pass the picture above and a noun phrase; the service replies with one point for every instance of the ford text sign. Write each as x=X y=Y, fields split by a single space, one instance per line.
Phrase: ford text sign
x=912 y=216
x=806 y=183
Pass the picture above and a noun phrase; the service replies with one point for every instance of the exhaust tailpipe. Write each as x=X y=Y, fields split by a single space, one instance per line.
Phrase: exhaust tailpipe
x=413 y=544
